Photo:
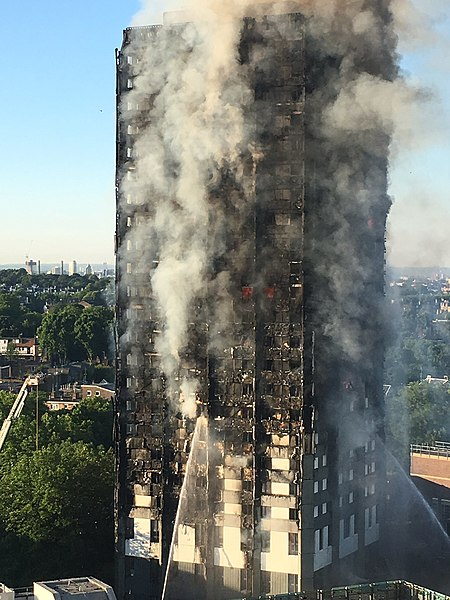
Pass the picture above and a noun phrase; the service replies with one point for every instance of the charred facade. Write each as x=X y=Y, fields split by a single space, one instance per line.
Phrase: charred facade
x=273 y=480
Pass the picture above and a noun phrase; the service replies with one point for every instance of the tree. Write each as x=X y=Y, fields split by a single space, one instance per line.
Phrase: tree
x=99 y=372
x=418 y=413
x=93 y=330
x=57 y=334
x=60 y=498
x=56 y=508
x=62 y=490
x=11 y=315
x=30 y=323
x=95 y=297
x=90 y=421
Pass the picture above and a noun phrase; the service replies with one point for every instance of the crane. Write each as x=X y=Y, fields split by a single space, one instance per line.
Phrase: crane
x=17 y=407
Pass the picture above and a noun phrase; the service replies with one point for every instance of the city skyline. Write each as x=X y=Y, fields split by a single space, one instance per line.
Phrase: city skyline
x=65 y=186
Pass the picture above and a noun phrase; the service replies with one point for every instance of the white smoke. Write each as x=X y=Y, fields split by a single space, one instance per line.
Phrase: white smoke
x=196 y=129
x=198 y=94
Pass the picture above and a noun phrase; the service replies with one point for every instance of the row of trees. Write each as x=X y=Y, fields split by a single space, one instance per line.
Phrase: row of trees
x=24 y=298
x=21 y=281
x=56 y=502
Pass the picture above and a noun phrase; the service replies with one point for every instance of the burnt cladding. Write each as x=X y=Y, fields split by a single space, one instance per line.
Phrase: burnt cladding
x=276 y=358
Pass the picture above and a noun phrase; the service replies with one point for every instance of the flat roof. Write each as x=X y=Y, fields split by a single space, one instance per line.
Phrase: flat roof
x=74 y=586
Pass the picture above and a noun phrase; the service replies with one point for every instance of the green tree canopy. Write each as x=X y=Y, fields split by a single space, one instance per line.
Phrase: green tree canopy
x=419 y=413
x=90 y=421
x=57 y=334
x=72 y=332
x=11 y=315
x=93 y=330
x=62 y=490
x=56 y=504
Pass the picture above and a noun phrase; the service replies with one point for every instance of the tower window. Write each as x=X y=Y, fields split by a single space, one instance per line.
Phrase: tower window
x=265 y=512
x=219 y=536
x=292 y=582
x=293 y=544
x=247 y=389
x=244 y=580
x=265 y=541
x=154 y=531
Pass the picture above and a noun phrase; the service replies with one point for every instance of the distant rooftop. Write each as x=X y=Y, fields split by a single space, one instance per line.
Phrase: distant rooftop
x=66 y=589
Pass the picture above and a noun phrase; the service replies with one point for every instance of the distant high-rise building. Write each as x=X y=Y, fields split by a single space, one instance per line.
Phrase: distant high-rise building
x=250 y=274
x=88 y=270
x=73 y=268
x=32 y=267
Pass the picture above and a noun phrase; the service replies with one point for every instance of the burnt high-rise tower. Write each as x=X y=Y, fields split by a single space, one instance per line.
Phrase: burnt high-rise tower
x=251 y=210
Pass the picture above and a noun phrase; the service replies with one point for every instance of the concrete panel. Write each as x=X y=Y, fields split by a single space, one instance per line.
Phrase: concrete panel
x=280 y=513
x=280 y=489
x=280 y=525
x=234 y=485
x=279 y=583
x=142 y=501
x=280 y=464
x=371 y=534
x=232 y=509
x=139 y=545
x=232 y=578
x=278 y=560
x=184 y=550
x=322 y=558
x=230 y=555
x=282 y=501
x=230 y=497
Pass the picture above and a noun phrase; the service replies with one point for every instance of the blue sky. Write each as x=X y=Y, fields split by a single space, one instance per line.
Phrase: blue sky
x=58 y=135
x=58 y=127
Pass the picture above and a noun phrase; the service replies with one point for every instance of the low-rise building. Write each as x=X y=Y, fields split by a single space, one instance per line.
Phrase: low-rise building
x=61 y=404
x=6 y=593
x=104 y=390
x=78 y=588
x=431 y=462
x=19 y=347
x=430 y=472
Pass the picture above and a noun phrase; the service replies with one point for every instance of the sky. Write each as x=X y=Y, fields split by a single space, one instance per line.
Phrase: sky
x=57 y=132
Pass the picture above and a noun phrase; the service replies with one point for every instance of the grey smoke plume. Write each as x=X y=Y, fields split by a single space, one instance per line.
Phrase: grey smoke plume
x=197 y=128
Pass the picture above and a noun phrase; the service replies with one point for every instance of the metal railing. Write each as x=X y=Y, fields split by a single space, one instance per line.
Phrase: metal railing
x=385 y=590
x=437 y=449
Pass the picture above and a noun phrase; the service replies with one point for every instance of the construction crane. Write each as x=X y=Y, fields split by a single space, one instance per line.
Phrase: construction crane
x=17 y=407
